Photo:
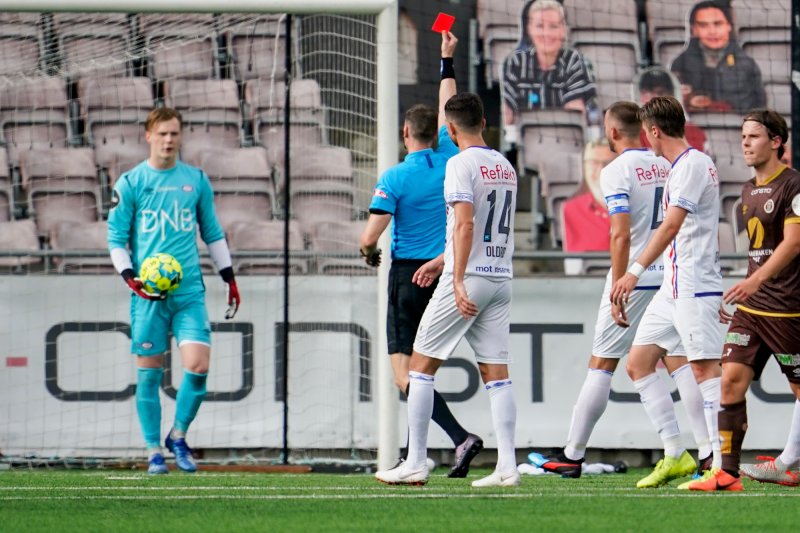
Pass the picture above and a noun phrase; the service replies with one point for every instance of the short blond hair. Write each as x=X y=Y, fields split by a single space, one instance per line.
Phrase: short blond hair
x=162 y=114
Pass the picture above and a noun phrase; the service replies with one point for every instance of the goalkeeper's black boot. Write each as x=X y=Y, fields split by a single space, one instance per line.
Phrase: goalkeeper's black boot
x=559 y=464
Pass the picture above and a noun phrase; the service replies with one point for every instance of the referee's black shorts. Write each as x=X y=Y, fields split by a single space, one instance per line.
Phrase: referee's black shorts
x=407 y=302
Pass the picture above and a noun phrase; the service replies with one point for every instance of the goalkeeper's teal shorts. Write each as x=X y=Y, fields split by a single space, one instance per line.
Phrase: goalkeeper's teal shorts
x=184 y=315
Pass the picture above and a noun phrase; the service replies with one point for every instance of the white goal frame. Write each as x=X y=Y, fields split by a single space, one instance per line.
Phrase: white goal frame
x=387 y=127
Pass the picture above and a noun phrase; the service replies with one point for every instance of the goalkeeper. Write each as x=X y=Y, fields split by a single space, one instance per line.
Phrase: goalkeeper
x=413 y=193
x=159 y=206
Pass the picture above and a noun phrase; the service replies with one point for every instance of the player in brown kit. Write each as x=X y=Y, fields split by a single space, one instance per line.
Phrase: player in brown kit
x=767 y=317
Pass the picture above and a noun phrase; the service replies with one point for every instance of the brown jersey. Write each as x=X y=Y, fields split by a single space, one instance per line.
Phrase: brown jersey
x=766 y=209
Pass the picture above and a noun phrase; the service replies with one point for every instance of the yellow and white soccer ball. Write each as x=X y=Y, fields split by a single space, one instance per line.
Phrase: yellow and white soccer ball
x=160 y=273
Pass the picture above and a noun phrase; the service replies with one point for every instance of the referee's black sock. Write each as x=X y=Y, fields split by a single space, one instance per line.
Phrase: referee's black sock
x=446 y=420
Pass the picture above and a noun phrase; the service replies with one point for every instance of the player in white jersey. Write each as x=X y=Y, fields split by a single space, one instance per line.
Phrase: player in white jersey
x=685 y=309
x=633 y=185
x=473 y=298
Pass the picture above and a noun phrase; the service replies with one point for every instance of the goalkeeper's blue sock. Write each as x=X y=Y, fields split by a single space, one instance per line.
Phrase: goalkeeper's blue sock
x=148 y=404
x=190 y=396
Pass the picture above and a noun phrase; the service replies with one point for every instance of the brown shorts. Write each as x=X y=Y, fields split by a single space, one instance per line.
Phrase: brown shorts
x=751 y=339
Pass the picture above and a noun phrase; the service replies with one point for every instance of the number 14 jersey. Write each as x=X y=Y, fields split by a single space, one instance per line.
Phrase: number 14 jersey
x=634 y=183
x=483 y=177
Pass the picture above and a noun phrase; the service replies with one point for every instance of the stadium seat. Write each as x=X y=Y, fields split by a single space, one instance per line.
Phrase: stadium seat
x=242 y=183
x=7 y=208
x=21 y=48
x=614 y=56
x=265 y=102
x=19 y=235
x=61 y=185
x=323 y=163
x=182 y=53
x=340 y=238
x=155 y=23
x=315 y=204
x=727 y=245
x=114 y=111
x=267 y=236
x=90 y=237
x=771 y=49
x=95 y=44
x=546 y=133
x=498 y=25
x=757 y=15
x=616 y=15
x=257 y=48
x=34 y=115
x=211 y=114
x=27 y=19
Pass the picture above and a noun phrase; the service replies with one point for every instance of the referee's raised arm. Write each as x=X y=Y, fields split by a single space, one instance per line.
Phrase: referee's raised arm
x=447 y=87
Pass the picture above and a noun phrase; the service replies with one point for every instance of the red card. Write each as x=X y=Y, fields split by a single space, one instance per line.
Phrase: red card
x=443 y=22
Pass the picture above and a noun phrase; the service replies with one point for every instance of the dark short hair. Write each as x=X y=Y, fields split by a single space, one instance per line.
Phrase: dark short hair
x=656 y=78
x=667 y=113
x=421 y=120
x=722 y=5
x=162 y=114
x=627 y=113
x=466 y=111
x=773 y=121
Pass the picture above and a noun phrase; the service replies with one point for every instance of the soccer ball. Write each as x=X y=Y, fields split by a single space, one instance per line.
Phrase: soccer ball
x=160 y=273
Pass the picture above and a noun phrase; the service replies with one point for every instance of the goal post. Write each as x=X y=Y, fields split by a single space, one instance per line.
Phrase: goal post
x=385 y=131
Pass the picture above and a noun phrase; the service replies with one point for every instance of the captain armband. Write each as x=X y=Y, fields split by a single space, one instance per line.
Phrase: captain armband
x=618 y=203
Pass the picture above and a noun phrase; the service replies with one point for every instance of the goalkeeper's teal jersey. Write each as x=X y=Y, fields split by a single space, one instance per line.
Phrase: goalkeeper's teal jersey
x=161 y=211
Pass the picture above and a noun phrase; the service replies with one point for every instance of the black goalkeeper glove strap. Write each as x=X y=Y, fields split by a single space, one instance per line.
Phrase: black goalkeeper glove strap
x=128 y=274
x=227 y=274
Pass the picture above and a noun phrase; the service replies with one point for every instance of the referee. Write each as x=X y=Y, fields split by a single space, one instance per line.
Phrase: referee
x=413 y=193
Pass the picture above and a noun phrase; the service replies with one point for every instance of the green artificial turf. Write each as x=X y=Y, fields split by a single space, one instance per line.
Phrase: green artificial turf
x=122 y=501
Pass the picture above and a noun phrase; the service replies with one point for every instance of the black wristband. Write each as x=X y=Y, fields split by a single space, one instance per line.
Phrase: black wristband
x=447 y=69
x=226 y=274
x=127 y=274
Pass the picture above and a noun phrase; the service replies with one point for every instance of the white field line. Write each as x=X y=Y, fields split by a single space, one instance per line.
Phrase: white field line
x=386 y=495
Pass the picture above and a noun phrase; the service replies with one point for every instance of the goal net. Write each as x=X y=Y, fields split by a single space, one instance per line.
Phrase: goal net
x=76 y=89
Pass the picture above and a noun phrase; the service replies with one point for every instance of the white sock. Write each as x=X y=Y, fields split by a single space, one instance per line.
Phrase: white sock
x=711 y=390
x=420 y=409
x=791 y=453
x=658 y=405
x=693 y=403
x=152 y=451
x=504 y=417
x=591 y=405
x=177 y=434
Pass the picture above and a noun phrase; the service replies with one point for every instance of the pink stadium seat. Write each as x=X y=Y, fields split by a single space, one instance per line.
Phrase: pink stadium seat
x=150 y=23
x=616 y=15
x=21 y=48
x=210 y=110
x=315 y=203
x=548 y=132
x=323 y=163
x=93 y=43
x=34 y=115
x=265 y=101
x=498 y=23
x=114 y=111
x=338 y=238
x=19 y=235
x=267 y=236
x=242 y=183
x=91 y=237
x=183 y=55
x=29 y=19
x=61 y=185
x=258 y=54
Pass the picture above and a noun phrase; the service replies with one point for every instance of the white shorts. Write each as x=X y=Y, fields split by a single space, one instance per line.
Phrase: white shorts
x=442 y=326
x=692 y=322
x=610 y=340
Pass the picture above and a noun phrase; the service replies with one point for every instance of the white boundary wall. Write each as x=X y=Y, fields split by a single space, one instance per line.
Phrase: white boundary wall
x=327 y=411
